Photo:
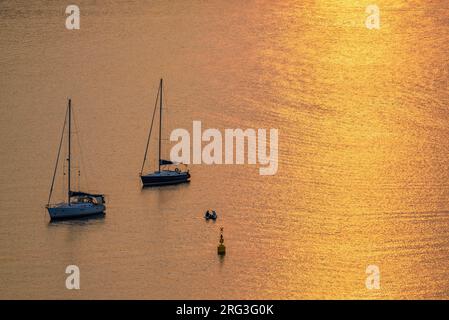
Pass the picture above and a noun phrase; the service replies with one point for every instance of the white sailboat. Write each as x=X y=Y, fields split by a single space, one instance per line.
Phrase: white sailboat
x=79 y=204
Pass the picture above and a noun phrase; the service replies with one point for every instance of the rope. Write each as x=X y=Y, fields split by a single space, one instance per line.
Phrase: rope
x=151 y=129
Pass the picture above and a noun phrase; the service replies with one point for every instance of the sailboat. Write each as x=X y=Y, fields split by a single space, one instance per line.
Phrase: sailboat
x=79 y=204
x=165 y=175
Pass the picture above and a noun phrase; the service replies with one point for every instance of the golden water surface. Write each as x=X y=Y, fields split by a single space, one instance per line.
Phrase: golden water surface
x=363 y=121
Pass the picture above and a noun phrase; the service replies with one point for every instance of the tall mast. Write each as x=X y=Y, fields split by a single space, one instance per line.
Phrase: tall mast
x=68 y=159
x=160 y=126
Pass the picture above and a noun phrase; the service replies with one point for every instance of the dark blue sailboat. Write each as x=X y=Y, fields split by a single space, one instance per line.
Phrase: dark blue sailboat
x=166 y=174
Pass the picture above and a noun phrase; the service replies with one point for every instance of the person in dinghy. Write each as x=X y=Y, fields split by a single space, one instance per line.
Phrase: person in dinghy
x=210 y=215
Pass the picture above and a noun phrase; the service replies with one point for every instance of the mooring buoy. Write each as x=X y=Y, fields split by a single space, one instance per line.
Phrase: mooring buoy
x=221 y=249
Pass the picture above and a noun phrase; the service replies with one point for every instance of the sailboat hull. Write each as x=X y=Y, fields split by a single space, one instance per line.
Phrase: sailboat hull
x=165 y=178
x=74 y=211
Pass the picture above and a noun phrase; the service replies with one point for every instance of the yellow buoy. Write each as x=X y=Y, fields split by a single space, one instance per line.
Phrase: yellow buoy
x=221 y=249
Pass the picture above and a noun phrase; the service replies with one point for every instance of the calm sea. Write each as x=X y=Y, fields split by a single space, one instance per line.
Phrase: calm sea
x=363 y=121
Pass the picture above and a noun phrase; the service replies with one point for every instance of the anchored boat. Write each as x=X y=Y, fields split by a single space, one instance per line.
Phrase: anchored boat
x=79 y=204
x=166 y=174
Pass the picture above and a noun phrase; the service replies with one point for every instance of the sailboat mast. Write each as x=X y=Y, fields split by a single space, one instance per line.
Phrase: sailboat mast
x=160 y=126
x=68 y=159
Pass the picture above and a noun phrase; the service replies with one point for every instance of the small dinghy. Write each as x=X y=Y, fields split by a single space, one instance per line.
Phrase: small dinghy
x=210 y=215
x=79 y=204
